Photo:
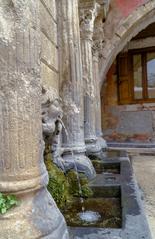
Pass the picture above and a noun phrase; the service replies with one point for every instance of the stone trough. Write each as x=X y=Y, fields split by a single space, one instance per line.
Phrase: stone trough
x=119 y=184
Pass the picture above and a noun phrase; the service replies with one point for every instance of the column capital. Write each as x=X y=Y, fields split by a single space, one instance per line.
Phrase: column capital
x=98 y=36
x=88 y=11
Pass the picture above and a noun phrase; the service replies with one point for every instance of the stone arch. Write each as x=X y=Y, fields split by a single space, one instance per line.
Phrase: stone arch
x=138 y=20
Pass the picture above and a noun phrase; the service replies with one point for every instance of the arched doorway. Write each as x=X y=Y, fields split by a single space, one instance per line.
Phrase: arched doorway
x=126 y=29
x=128 y=93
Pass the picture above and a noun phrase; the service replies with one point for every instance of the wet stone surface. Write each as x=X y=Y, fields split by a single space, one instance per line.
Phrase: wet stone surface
x=107 y=209
x=103 y=209
x=116 y=198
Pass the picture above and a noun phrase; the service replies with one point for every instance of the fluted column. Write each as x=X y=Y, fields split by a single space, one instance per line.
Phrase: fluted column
x=97 y=93
x=98 y=44
x=101 y=142
x=87 y=18
x=22 y=171
x=72 y=89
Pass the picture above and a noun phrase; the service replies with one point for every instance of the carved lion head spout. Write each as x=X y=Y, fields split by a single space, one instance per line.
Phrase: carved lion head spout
x=52 y=125
x=51 y=110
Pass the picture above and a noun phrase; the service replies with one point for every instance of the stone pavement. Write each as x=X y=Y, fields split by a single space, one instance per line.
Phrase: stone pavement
x=143 y=161
x=144 y=169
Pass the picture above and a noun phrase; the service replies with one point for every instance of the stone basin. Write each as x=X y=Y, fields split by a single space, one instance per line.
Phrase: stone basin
x=108 y=209
x=121 y=191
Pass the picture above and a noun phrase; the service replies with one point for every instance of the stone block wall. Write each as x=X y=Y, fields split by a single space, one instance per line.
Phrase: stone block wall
x=49 y=44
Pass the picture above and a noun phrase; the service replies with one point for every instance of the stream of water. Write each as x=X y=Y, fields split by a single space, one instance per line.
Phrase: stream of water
x=75 y=167
x=85 y=215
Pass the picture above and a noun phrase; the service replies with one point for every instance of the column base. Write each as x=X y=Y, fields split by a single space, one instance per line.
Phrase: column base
x=76 y=159
x=37 y=216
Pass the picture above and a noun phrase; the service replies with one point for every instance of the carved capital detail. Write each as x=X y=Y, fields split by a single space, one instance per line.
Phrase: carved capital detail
x=98 y=36
x=87 y=18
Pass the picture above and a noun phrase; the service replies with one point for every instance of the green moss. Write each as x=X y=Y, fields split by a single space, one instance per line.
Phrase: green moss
x=86 y=191
x=58 y=185
x=74 y=186
x=64 y=187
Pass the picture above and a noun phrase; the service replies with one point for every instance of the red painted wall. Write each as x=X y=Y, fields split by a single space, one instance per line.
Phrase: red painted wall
x=127 y=6
x=119 y=9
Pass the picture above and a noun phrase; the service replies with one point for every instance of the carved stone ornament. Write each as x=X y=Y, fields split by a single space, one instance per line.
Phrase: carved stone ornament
x=52 y=123
x=87 y=18
x=51 y=110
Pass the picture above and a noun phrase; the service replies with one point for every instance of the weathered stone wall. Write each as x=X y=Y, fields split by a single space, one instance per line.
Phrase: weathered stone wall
x=49 y=44
x=125 y=123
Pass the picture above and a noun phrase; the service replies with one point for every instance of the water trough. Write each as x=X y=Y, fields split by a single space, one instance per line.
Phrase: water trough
x=115 y=184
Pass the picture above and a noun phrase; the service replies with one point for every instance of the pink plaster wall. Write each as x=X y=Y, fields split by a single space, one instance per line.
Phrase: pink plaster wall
x=119 y=10
x=127 y=6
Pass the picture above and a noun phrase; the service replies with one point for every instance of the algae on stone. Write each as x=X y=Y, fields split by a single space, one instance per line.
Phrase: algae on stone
x=74 y=185
x=64 y=186
x=58 y=185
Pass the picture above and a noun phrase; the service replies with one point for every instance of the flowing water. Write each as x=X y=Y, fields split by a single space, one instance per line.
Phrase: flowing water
x=99 y=212
x=75 y=167
x=103 y=209
x=94 y=211
x=89 y=216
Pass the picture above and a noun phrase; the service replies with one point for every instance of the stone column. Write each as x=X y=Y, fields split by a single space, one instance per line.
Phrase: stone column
x=101 y=142
x=72 y=89
x=87 y=18
x=98 y=43
x=22 y=171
